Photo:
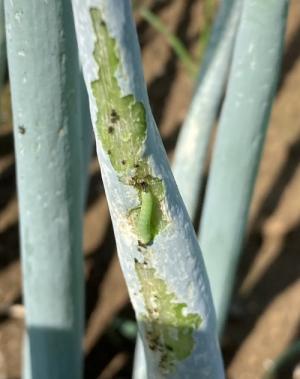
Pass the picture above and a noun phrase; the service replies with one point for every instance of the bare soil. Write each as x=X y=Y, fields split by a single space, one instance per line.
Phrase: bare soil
x=265 y=313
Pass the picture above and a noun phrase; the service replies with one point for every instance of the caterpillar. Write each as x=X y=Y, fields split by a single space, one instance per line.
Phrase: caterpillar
x=144 y=220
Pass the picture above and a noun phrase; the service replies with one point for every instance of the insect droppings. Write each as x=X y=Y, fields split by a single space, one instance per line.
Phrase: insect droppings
x=114 y=117
x=22 y=130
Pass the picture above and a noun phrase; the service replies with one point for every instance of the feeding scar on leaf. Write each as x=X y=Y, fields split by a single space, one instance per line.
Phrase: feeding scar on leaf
x=121 y=127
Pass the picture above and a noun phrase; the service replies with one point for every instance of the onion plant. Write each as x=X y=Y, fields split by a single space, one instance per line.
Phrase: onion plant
x=157 y=246
x=172 y=300
x=196 y=130
x=44 y=77
x=242 y=129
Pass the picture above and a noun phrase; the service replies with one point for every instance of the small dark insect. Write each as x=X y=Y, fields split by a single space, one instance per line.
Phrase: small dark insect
x=110 y=130
x=114 y=117
x=109 y=152
x=123 y=162
x=136 y=166
x=22 y=130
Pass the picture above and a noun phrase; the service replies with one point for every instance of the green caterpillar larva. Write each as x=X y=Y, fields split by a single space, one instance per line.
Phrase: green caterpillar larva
x=144 y=219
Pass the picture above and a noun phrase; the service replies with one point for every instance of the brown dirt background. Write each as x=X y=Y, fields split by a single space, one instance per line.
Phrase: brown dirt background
x=265 y=313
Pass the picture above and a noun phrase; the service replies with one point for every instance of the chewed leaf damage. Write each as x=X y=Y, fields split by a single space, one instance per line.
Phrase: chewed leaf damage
x=122 y=130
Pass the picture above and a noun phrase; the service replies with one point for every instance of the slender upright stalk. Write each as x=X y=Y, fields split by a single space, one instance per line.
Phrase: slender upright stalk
x=191 y=148
x=158 y=250
x=44 y=73
x=240 y=138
